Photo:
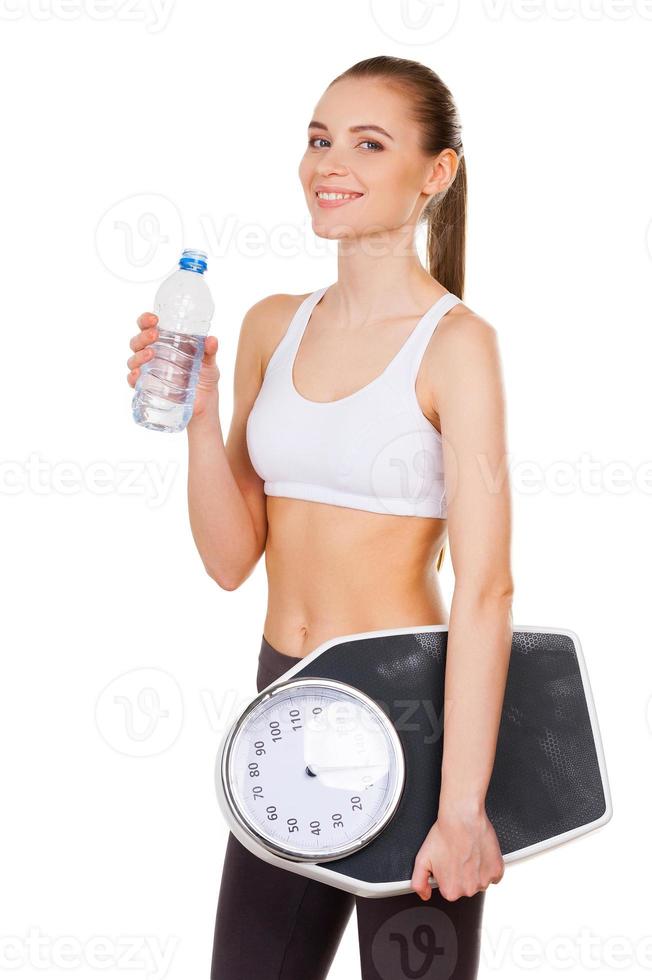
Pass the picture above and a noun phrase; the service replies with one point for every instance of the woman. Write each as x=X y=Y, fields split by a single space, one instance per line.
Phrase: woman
x=349 y=408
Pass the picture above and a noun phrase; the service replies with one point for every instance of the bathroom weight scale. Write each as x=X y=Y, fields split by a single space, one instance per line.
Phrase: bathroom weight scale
x=333 y=770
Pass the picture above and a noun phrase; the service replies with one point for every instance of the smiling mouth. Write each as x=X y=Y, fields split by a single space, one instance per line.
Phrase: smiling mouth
x=336 y=198
x=338 y=194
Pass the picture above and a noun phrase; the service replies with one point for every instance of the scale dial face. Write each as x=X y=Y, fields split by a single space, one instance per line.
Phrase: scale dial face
x=313 y=769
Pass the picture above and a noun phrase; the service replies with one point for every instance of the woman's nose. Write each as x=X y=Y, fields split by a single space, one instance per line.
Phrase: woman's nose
x=332 y=161
x=331 y=164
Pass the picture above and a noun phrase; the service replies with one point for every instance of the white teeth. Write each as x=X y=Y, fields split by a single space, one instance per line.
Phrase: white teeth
x=334 y=197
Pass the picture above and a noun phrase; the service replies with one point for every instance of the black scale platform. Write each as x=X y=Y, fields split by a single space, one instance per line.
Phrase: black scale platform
x=547 y=779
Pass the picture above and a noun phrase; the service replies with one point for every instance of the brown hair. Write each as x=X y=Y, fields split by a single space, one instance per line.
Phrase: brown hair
x=433 y=109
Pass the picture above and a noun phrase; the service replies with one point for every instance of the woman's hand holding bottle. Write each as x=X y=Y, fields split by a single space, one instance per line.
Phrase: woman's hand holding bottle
x=206 y=392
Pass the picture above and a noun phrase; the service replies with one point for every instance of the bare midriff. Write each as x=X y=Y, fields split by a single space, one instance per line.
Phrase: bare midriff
x=337 y=570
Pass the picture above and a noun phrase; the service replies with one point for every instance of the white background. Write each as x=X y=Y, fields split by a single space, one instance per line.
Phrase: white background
x=130 y=132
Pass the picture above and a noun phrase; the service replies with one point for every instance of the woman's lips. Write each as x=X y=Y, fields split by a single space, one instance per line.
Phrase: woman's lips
x=336 y=204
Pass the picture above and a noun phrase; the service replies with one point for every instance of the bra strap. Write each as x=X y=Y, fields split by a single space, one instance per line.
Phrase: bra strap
x=420 y=340
x=302 y=315
x=287 y=346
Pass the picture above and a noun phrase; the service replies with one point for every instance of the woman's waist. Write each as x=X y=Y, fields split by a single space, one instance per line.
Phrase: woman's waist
x=309 y=578
x=297 y=636
x=306 y=610
x=333 y=570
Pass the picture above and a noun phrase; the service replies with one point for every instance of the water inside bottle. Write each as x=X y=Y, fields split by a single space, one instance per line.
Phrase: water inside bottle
x=164 y=392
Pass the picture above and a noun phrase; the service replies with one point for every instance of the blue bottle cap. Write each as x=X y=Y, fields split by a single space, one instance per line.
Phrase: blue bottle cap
x=194 y=260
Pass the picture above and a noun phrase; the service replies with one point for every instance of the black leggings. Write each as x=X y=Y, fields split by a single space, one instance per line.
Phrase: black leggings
x=273 y=924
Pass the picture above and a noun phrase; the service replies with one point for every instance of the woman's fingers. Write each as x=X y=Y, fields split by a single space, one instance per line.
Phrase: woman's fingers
x=148 y=331
x=141 y=345
x=145 y=337
x=140 y=357
x=146 y=320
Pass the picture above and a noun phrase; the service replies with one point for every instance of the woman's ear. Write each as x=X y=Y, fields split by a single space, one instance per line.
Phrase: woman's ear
x=442 y=173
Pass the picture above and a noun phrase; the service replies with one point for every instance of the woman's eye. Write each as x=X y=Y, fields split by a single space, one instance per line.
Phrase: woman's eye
x=322 y=139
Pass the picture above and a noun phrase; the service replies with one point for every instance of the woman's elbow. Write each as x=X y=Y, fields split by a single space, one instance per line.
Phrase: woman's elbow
x=232 y=581
x=498 y=590
x=503 y=590
x=227 y=584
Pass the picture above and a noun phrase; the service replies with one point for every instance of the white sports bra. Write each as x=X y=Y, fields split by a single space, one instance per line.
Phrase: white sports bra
x=371 y=450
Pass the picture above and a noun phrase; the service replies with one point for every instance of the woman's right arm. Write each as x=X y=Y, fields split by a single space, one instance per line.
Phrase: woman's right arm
x=226 y=500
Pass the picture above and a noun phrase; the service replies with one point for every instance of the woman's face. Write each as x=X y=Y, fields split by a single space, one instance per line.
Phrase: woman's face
x=389 y=175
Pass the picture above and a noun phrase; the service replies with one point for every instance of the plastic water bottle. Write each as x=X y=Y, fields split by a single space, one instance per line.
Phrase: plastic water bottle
x=165 y=390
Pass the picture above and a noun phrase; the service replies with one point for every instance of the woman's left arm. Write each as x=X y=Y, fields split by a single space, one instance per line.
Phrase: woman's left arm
x=461 y=851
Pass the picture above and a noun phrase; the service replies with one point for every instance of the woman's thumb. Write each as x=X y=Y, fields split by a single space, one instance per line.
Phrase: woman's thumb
x=420 y=879
x=210 y=349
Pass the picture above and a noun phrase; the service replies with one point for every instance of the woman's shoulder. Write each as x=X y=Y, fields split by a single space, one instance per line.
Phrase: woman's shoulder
x=462 y=326
x=266 y=322
x=275 y=303
x=274 y=310
x=463 y=350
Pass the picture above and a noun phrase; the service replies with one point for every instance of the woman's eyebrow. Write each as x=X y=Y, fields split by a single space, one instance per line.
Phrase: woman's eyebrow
x=313 y=124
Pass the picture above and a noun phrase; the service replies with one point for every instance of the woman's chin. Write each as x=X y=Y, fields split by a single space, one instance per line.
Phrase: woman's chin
x=332 y=230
